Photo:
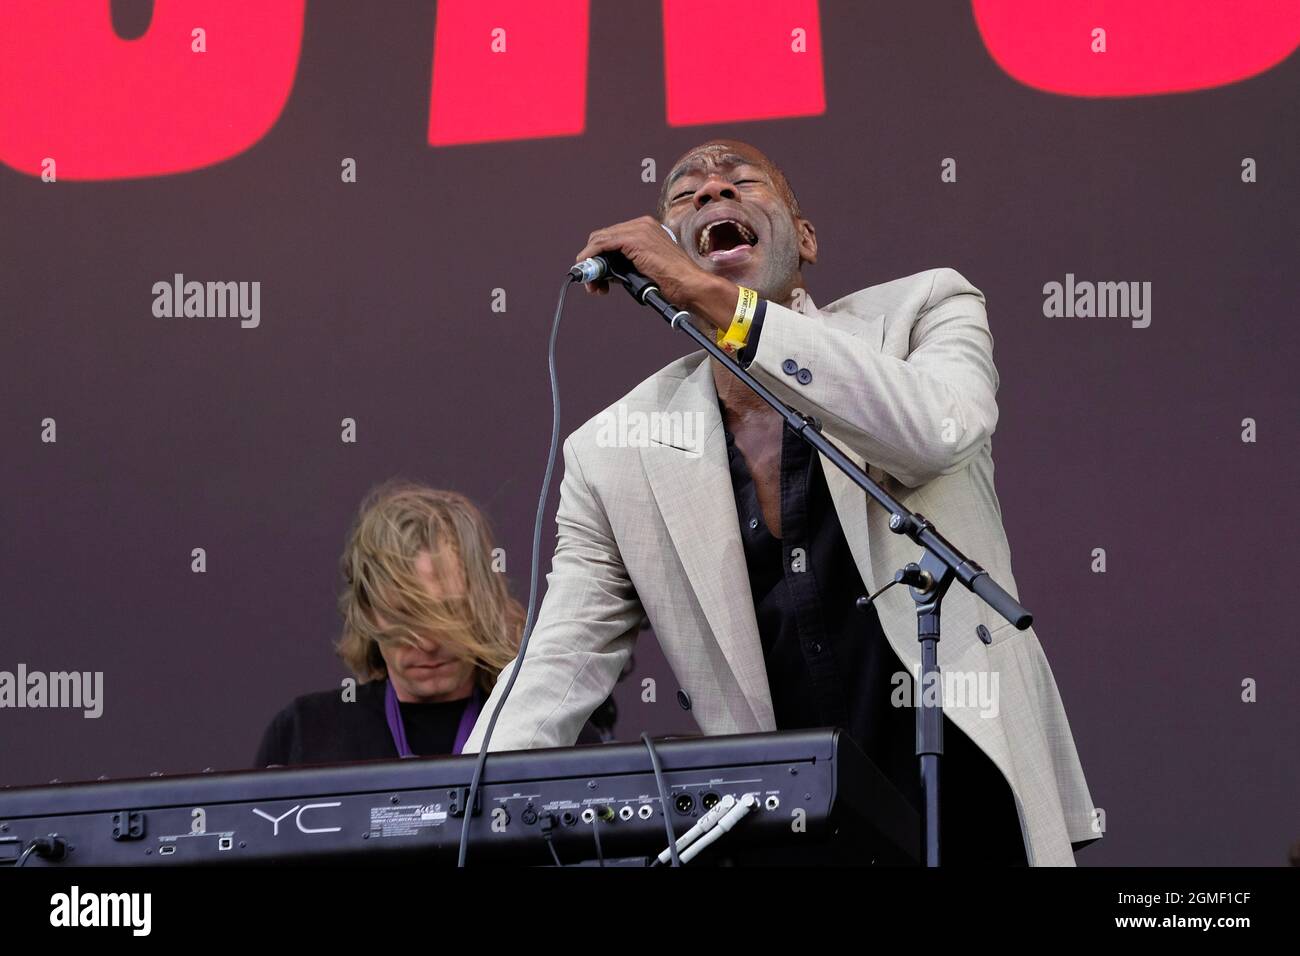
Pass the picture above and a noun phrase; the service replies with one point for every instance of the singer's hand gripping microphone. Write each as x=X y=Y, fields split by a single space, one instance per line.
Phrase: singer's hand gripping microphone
x=615 y=265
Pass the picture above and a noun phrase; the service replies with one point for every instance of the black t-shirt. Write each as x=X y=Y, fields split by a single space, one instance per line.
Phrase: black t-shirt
x=324 y=728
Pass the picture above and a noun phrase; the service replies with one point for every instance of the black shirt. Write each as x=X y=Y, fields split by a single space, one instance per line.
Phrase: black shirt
x=830 y=664
x=323 y=728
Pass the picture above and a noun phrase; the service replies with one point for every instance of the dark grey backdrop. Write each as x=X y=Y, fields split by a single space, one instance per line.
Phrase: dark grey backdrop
x=176 y=434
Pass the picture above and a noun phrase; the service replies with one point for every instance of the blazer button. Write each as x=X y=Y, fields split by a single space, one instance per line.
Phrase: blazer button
x=789 y=366
x=803 y=377
x=684 y=699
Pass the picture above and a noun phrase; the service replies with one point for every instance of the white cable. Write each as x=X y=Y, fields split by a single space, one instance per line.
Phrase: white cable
x=705 y=823
x=742 y=807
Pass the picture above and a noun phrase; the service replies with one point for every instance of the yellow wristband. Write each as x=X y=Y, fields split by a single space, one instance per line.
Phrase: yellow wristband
x=738 y=332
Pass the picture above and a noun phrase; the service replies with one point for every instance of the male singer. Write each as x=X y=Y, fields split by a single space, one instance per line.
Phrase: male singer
x=749 y=553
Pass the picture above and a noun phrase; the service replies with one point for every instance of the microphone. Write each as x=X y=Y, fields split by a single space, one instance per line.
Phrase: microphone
x=607 y=265
x=615 y=265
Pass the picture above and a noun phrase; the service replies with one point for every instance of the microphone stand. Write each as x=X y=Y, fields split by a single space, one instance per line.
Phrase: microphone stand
x=928 y=582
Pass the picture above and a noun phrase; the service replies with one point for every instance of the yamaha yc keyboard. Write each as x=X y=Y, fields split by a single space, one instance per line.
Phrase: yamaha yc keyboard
x=808 y=796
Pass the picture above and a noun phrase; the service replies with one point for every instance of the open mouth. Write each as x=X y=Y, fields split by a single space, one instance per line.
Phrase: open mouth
x=725 y=239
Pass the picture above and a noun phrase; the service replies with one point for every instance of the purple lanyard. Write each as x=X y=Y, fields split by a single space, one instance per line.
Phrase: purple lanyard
x=395 y=726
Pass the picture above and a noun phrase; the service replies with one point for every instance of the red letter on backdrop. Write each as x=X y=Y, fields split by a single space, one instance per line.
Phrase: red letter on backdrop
x=511 y=69
x=107 y=108
x=1152 y=46
x=752 y=69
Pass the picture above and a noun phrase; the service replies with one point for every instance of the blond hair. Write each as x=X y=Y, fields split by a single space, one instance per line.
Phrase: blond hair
x=385 y=601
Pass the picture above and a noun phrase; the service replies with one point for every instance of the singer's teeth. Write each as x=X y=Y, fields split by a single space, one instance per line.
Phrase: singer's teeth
x=743 y=232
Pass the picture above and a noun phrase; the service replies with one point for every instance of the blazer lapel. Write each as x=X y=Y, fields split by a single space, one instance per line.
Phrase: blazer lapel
x=692 y=488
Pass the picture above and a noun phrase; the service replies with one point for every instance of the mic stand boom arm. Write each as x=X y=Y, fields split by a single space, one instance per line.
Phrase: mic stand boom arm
x=939 y=567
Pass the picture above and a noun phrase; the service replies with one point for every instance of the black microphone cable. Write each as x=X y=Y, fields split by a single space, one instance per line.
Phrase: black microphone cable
x=576 y=274
x=530 y=620
x=662 y=785
x=52 y=847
